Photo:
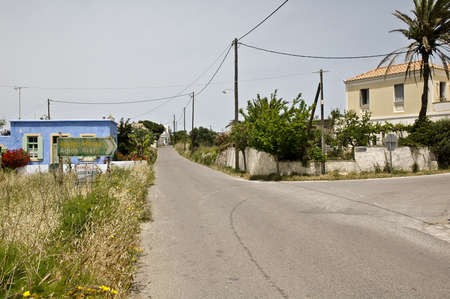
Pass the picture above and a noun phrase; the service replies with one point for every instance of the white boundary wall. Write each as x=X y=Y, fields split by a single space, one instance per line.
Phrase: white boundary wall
x=367 y=159
x=44 y=167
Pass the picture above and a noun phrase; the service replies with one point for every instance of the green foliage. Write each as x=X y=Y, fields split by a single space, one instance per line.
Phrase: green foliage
x=179 y=136
x=154 y=128
x=239 y=135
x=141 y=141
x=277 y=128
x=78 y=213
x=205 y=155
x=124 y=146
x=354 y=130
x=435 y=135
x=135 y=139
x=202 y=137
x=75 y=240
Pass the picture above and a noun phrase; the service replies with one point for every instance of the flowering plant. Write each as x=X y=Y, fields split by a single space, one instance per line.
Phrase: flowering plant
x=15 y=158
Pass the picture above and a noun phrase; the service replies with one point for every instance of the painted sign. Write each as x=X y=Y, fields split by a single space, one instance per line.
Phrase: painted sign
x=86 y=147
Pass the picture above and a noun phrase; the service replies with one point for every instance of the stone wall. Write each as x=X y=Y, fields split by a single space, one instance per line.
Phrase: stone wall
x=368 y=159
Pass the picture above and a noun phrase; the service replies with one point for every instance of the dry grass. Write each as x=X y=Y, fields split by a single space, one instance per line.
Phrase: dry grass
x=64 y=240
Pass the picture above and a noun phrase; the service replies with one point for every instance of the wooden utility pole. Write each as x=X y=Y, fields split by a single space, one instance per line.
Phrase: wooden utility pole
x=192 y=125
x=174 y=126
x=236 y=100
x=184 y=127
x=322 y=120
x=48 y=109
x=193 y=106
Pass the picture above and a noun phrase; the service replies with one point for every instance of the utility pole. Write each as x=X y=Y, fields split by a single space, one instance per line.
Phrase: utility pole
x=184 y=127
x=174 y=125
x=322 y=120
x=19 y=88
x=48 y=109
x=193 y=100
x=192 y=125
x=236 y=100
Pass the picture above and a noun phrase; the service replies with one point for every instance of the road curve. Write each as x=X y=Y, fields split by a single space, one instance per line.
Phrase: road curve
x=216 y=236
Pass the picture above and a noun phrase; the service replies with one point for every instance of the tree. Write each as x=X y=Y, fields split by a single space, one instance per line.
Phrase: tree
x=155 y=128
x=202 y=136
x=141 y=139
x=124 y=146
x=352 y=130
x=277 y=128
x=428 y=29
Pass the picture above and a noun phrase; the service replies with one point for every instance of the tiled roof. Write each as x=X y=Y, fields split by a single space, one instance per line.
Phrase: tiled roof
x=394 y=69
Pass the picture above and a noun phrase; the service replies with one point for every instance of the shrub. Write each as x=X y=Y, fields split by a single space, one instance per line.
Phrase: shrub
x=13 y=159
x=435 y=135
x=205 y=155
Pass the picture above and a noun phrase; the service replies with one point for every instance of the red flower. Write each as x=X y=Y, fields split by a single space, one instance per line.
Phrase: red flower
x=15 y=158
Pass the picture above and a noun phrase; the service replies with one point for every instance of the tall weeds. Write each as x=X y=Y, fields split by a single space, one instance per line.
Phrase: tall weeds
x=69 y=240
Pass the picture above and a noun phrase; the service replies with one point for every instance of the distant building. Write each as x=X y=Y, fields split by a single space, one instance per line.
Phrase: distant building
x=392 y=97
x=164 y=138
x=39 y=137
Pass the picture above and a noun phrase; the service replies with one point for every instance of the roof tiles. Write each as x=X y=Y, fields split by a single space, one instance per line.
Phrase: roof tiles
x=394 y=69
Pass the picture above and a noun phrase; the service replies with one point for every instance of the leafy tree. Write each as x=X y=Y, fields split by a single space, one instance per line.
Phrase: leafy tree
x=428 y=29
x=353 y=130
x=141 y=140
x=179 y=136
x=125 y=128
x=202 y=137
x=277 y=128
x=435 y=135
x=155 y=128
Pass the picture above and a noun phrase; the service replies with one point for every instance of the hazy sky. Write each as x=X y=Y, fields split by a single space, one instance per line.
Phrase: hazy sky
x=131 y=50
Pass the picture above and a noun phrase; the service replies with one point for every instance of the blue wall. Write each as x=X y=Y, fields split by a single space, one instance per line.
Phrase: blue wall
x=47 y=128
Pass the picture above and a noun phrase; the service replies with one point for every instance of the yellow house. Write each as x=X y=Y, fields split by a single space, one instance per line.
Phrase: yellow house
x=395 y=98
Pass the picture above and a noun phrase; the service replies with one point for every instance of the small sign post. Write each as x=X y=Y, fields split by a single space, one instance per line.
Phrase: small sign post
x=86 y=147
x=391 y=142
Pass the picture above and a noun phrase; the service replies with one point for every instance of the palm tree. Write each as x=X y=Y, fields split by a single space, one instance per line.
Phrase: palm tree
x=429 y=31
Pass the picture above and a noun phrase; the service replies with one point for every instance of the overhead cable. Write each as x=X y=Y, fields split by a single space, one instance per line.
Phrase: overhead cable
x=215 y=73
x=265 y=19
x=317 y=57
x=117 y=103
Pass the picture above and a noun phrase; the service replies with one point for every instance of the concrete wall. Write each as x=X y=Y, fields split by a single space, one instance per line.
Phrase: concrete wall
x=403 y=158
x=367 y=159
x=29 y=169
x=261 y=163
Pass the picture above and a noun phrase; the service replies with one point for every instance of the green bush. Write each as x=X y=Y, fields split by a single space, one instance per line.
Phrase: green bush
x=205 y=155
x=435 y=135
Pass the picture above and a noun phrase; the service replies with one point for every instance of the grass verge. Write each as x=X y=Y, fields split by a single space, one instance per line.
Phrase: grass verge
x=68 y=240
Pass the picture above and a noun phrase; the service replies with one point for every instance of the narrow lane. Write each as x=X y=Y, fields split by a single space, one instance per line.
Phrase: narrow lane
x=216 y=236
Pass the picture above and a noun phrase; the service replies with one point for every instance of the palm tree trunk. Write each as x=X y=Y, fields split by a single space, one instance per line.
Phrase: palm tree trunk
x=426 y=77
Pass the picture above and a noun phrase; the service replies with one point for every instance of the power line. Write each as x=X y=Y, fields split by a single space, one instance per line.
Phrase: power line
x=215 y=73
x=207 y=69
x=318 y=57
x=117 y=103
x=227 y=50
x=265 y=19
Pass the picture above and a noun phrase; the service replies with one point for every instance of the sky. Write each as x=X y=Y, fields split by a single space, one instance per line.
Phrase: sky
x=124 y=51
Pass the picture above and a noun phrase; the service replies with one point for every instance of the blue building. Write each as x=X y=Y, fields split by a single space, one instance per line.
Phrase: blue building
x=40 y=137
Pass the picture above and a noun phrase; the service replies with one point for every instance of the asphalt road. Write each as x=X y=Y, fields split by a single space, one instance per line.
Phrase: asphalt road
x=216 y=236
